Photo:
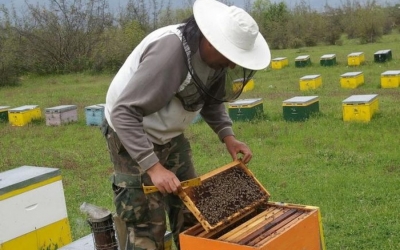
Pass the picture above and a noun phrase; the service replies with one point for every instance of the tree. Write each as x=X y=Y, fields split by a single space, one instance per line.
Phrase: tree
x=146 y=13
x=117 y=43
x=276 y=20
x=349 y=20
x=393 y=19
x=258 y=12
x=10 y=63
x=371 y=19
x=306 y=25
x=60 y=38
x=332 y=30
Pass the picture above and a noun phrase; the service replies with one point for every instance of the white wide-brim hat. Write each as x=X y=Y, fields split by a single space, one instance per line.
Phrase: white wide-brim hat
x=233 y=32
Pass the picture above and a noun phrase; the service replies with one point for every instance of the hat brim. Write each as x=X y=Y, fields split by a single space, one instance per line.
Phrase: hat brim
x=259 y=57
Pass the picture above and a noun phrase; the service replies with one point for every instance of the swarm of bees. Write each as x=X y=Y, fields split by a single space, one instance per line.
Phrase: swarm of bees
x=225 y=194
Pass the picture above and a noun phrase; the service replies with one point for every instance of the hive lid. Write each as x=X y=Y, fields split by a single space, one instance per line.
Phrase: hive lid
x=24 y=176
x=300 y=99
x=307 y=77
x=356 y=54
x=23 y=108
x=386 y=73
x=61 y=108
x=224 y=195
x=360 y=98
x=351 y=74
x=245 y=102
x=305 y=57
x=4 y=108
x=328 y=56
x=279 y=58
x=96 y=106
x=384 y=51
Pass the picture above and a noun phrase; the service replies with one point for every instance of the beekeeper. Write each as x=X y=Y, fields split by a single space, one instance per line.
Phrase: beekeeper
x=174 y=74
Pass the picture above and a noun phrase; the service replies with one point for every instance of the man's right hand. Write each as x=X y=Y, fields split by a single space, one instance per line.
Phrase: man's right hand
x=165 y=180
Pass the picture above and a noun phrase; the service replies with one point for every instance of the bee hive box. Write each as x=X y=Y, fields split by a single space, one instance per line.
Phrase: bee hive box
x=352 y=80
x=355 y=59
x=390 y=79
x=328 y=60
x=245 y=109
x=33 y=209
x=383 y=55
x=94 y=114
x=310 y=82
x=23 y=115
x=279 y=62
x=302 y=61
x=234 y=213
x=62 y=114
x=360 y=107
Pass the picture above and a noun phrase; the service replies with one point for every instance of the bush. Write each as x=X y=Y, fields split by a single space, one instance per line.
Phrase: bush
x=8 y=77
x=296 y=43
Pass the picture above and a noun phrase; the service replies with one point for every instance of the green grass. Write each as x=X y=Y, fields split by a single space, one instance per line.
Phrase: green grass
x=350 y=170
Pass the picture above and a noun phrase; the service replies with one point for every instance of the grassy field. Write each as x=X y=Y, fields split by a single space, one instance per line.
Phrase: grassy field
x=351 y=170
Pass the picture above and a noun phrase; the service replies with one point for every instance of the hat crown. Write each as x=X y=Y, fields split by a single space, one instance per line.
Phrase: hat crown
x=233 y=33
x=239 y=28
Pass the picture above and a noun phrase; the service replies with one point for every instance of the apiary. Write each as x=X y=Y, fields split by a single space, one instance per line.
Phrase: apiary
x=94 y=114
x=234 y=213
x=360 y=107
x=279 y=62
x=23 y=115
x=383 y=55
x=299 y=108
x=355 y=59
x=62 y=114
x=33 y=209
x=237 y=84
x=246 y=109
x=302 y=61
x=309 y=82
x=390 y=79
x=328 y=60
x=351 y=80
x=4 y=113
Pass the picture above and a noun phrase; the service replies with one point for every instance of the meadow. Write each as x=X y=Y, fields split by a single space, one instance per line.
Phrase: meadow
x=351 y=170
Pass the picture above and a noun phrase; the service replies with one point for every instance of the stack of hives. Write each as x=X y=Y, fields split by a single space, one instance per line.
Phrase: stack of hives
x=234 y=213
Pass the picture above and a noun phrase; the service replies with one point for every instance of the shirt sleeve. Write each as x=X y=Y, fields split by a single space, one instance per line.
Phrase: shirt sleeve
x=218 y=119
x=160 y=73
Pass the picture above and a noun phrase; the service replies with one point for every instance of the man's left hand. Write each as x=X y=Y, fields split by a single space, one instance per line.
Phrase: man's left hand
x=236 y=147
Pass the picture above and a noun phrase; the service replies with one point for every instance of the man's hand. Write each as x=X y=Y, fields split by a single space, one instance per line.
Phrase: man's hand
x=236 y=147
x=163 y=179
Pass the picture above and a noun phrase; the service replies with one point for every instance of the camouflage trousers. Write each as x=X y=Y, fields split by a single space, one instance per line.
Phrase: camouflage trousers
x=145 y=214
